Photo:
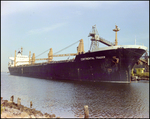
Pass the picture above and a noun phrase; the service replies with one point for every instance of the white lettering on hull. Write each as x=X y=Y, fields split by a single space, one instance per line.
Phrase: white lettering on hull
x=92 y=58
x=101 y=57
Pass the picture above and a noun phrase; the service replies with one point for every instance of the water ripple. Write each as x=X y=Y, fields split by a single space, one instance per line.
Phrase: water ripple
x=67 y=98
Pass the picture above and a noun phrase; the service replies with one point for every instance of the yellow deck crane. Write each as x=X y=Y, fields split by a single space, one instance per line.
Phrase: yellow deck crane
x=80 y=49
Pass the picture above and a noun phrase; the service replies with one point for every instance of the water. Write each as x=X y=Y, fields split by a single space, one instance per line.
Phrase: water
x=67 y=99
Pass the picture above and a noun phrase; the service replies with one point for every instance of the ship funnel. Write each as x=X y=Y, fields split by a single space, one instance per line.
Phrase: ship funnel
x=21 y=50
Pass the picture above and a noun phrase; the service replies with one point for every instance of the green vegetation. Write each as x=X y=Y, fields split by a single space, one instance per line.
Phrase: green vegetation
x=143 y=75
x=2 y=108
x=140 y=72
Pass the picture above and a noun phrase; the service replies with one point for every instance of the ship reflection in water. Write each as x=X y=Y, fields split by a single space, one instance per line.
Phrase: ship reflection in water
x=67 y=98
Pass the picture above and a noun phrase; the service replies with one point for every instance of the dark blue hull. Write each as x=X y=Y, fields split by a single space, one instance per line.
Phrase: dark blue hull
x=91 y=66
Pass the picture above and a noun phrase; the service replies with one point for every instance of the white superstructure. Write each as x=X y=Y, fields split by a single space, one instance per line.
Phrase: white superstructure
x=20 y=60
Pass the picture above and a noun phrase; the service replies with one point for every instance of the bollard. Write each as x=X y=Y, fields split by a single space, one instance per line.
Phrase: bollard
x=86 y=111
x=31 y=104
x=19 y=101
x=12 y=98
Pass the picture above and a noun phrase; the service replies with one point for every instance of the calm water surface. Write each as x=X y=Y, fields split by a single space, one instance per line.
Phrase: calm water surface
x=67 y=99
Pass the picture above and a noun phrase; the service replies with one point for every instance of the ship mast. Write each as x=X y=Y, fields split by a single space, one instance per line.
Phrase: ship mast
x=29 y=57
x=21 y=50
x=15 y=59
x=116 y=30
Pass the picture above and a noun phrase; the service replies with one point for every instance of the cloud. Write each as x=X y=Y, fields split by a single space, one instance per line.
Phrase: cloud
x=11 y=7
x=90 y=4
x=46 y=29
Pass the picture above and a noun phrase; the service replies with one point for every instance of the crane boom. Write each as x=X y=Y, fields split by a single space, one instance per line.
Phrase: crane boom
x=108 y=43
x=96 y=39
x=60 y=55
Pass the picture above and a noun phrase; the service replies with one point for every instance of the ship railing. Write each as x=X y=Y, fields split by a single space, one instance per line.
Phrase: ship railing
x=44 y=63
x=62 y=61
x=139 y=43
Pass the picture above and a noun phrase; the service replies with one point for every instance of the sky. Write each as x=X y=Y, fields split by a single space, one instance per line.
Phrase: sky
x=38 y=26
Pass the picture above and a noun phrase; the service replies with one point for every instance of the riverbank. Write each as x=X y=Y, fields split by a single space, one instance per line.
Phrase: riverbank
x=10 y=109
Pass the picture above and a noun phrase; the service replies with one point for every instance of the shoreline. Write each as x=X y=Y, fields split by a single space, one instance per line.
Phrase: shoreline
x=10 y=109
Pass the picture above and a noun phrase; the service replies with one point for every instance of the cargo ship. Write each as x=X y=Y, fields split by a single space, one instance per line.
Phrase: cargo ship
x=112 y=63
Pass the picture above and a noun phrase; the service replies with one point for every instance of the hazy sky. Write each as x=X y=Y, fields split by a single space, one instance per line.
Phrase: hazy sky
x=40 y=25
